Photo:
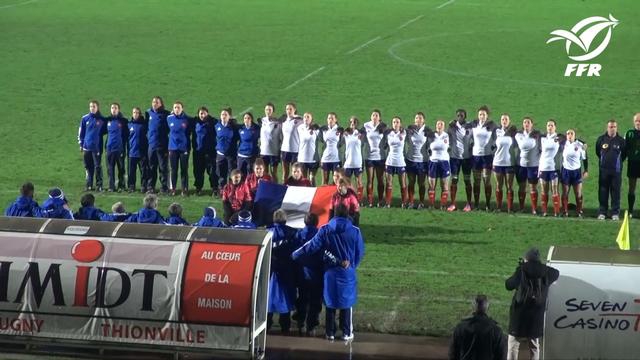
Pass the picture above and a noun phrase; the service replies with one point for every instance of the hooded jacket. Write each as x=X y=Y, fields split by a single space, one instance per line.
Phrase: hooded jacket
x=24 y=206
x=147 y=216
x=117 y=133
x=177 y=220
x=88 y=213
x=157 y=129
x=91 y=132
x=180 y=129
x=282 y=284
x=54 y=208
x=209 y=219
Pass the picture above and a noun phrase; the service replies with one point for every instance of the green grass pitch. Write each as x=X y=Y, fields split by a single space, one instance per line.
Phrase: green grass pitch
x=421 y=268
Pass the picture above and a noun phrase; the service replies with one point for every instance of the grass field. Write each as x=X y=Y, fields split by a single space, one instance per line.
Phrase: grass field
x=421 y=268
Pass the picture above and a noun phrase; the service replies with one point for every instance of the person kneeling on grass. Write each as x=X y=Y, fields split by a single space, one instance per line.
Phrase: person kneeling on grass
x=56 y=206
x=87 y=210
x=148 y=214
x=175 y=215
x=282 y=287
x=344 y=250
x=209 y=219
x=118 y=213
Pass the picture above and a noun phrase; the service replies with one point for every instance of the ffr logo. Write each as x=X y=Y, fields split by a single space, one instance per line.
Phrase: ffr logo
x=582 y=35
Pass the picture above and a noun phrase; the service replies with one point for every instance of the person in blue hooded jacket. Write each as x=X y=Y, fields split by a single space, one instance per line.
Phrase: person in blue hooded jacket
x=56 y=206
x=204 y=151
x=226 y=147
x=118 y=213
x=180 y=130
x=282 y=287
x=148 y=214
x=245 y=221
x=24 y=206
x=343 y=242
x=157 y=139
x=138 y=146
x=90 y=138
x=175 y=215
x=87 y=210
x=209 y=219
x=248 y=150
x=117 y=141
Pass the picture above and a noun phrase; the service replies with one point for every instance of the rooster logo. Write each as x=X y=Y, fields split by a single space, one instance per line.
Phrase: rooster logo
x=594 y=25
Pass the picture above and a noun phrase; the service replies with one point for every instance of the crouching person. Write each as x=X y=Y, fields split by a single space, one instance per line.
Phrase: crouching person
x=209 y=218
x=343 y=249
x=118 y=213
x=87 y=210
x=148 y=214
x=235 y=198
x=282 y=288
x=56 y=206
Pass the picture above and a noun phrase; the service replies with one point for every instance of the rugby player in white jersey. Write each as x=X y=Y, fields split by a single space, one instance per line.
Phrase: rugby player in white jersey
x=307 y=151
x=353 y=154
x=482 y=155
x=461 y=140
x=439 y=169
x=528 y=140
x=417 y=159
x=330 y=136
x=574 y=152
x=270 y=141
x=374 y=160
x=550 y=153
x=395 y=164
x=504 y=160
x=290 y=139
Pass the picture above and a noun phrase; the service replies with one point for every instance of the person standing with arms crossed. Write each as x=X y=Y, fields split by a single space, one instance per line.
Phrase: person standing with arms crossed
x=610 y=149
x=632 y=141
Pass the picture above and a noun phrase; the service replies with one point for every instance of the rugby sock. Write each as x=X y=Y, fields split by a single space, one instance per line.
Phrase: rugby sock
x=499 y=198
x=631 y=199
x=432 y=198
x=509 y=200
x=579 y=204
x=403 y=194
x=565 y=203
x=454 y=189
x=545 y=201
x=487 y=194
x=360 y=191
x=389 y=196
x=380 y=192
x=556 y=204
x=444 y=197
x=370 y=193
x=410 y=194
x=422 y=189
x=467 y=189
x=534 y=201
x=521 y=197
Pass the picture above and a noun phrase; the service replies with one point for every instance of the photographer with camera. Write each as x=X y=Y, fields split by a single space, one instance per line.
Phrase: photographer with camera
x=531 y=280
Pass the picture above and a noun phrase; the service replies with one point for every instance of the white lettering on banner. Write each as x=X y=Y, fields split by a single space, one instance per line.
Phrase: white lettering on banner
x=216 y=278
x=21 y=325
x=153 y=333
x=214 y=303
x=220 y=255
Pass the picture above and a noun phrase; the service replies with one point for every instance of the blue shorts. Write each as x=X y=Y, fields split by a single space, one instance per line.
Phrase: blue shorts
x=503 y=169
x=571 y=177
x=374 y=163
x=548 y=175
x=457 y=164
x=309 y=166
x=289 y=157
x=524 y=173
x=395 y=170
x=439 y=169
x=271 y=159
x=416 y=168
x=349 y=172
x=330 y=166
x=484 y=162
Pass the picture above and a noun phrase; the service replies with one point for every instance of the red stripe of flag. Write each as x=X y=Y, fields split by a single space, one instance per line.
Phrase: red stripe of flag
x=321 y=203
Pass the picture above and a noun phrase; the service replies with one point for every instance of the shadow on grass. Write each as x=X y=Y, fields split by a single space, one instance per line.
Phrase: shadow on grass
x=405 y=235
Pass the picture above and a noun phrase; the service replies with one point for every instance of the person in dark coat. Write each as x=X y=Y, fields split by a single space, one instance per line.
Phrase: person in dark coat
x=24 y=205
x=148 y=214
x=526 y=316
x=56 y=206
x=118 y=213
x=611 y=151
x=209 y=219
x=87 y=210
x=478 y=337
x=175 y=215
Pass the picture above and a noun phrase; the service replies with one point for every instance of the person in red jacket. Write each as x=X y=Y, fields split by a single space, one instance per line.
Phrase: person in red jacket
x=235 y=197
x=347 y=196
x=296 y=178
x=258 y=174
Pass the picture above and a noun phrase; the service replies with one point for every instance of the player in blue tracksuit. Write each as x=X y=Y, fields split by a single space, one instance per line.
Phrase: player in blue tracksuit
x=24 y=205
x=209 y=219
x=309 y=302
x=282 y=287
x=248 y=150
x=344 y=242
x=87 y=210
x=157 y=139
x=90 y=138
x=138 y=151
x=148 y=213
x=175 y=215
x=117 y=141
x=245 y=221
x=226 y=147
x=180 y=130
x=56 y=207
x=118 y=213
x=204 y=150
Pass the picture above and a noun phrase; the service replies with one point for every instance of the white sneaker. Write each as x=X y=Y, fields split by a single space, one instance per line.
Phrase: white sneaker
x=329 y=337
x=615 y=217
x=347 y=337
x=601 y=217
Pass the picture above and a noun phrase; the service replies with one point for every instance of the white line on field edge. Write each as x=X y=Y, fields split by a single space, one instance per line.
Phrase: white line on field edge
x=305 y=77
x=246 y=110
x=18 y=4
x=445 y=4
x=410 y=21
x=433 y=272
x=363 y=45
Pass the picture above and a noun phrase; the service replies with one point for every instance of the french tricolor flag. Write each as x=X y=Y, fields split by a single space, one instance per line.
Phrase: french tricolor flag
x=296 y=201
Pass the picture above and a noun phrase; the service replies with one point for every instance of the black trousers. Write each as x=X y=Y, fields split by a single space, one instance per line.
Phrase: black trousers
x=93 y=166
x=609 y=183
x=204 y=161
x=345 y=321
x=142 y=165
x=158 y=161
x=115 y=160
x=309 y=303
x=224 y=165
x=283 y=319
x=179 y=159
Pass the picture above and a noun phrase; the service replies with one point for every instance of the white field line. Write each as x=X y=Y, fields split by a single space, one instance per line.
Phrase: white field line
x=391 y=317
x=434 y=272
x=363 y=45
x=305 y=77
x=18 y=4
x=426 y=299
x=410 y=21
x=445 y=4
x=246 y=110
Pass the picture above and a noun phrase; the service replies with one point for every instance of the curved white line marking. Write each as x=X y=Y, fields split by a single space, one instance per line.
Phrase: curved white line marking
x=18 y=4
